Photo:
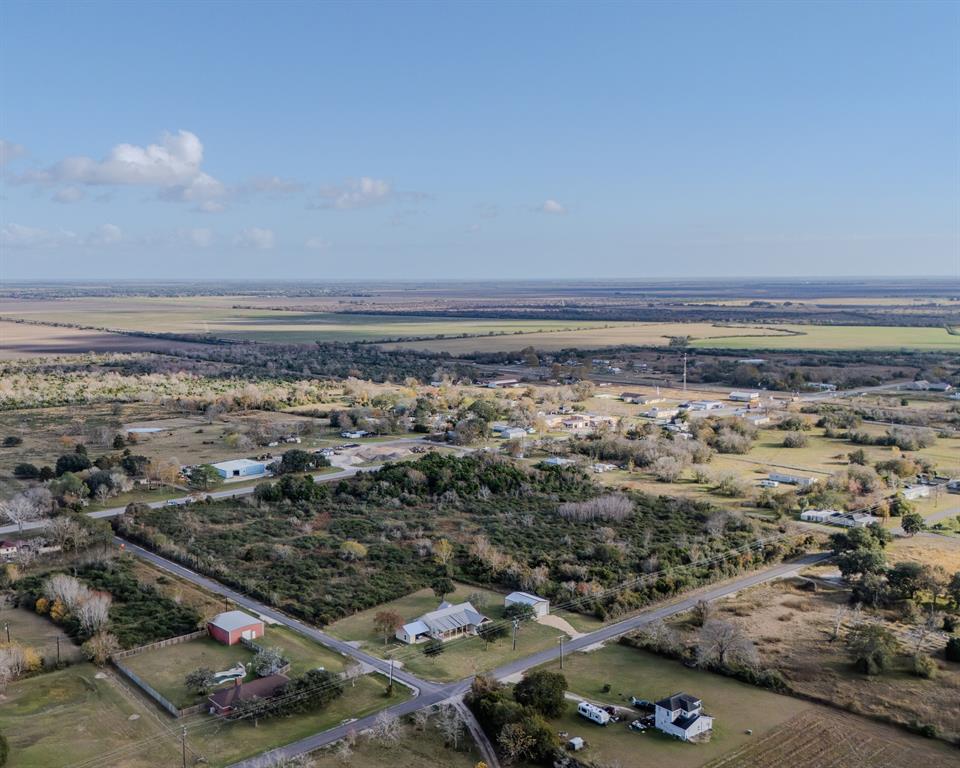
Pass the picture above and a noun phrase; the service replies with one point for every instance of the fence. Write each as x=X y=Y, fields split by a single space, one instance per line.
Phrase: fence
x=255 y=648
x=148 y=689
x=160 y=644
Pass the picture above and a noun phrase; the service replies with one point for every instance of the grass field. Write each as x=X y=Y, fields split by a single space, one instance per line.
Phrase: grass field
x=709 y=336
x=72 y=715
x=97 y=717
x=461 y=657
x=415 y=749
x=215 y=316
x=38 y=632
x=164 y=669
x=819 y=737
x=630 y=672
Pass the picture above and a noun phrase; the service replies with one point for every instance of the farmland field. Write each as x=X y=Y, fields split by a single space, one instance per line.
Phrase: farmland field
x=708 y=336
x=819 y=737
x=216 y=317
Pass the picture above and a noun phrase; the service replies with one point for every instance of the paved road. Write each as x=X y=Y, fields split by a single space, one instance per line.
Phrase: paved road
x=943 y=514
x=427 y=693
x=295 y=624
x=226 y=493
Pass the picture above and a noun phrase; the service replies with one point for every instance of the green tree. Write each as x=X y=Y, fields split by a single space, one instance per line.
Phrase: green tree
x=433 y=648
x=200 y=681
x=205 y=477
x=442 y=586
x=119 y=443
x=872 y=648
x=521 y=611
x=912 y=524
x=543 y=691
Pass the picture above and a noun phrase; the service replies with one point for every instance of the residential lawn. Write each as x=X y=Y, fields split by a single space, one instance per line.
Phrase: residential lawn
x=415 y=749
x=359 y=626
x=165 y=668
x=463 y=657
x=631 y=672
x=38 y=632
x=225 y=745
x=70 y=716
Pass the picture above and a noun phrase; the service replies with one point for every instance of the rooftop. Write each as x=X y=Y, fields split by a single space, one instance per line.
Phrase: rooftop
x=231 y=620
x=683 y=701
x=263 y=688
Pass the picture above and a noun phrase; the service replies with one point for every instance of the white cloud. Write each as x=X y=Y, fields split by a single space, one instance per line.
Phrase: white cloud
x=316 y=244
x=552 y=206
x=10 y=151
x=68 y=195
x=172 y=167
x=200 y=237
x=272 y=186
x=256 y=237
x=355 y=193
x=20 y=236
x=104 y=235
x=210 y=206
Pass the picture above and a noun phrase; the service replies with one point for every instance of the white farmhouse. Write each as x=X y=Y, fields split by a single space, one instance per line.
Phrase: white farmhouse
x=445 y=623
x=681 y=715
x=803 y=481
x=540 y=605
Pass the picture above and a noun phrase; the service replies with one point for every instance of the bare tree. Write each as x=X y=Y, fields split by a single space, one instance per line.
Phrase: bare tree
x=21 y=509
x=387 y=728
x=67 y=589
x=12 y=663
x=723 y=643
x=94 y=612
x=450 y=725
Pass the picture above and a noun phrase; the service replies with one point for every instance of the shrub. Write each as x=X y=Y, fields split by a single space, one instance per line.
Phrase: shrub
x=952 y=651
x=795 y=440
x=924 y=666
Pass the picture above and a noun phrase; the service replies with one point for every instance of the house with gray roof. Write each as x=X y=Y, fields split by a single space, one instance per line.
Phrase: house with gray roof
x=446 y=623
x=681 y=715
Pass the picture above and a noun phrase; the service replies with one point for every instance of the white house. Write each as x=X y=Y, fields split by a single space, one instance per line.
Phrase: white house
x=914 y=492
x=681 y=715
x=557 y=461
x=512 y=433
x=804 y=481
x=239 y=468
x=744 y=397
x=447 y=622
x=818 y=515
x=661 y=413
x=593 y=713
x=704 y=405
x=540 y=605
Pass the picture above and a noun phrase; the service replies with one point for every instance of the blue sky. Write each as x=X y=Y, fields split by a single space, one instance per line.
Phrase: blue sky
x=493 y=140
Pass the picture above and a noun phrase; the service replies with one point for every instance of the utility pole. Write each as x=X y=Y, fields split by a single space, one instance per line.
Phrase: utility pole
x=516 y=626
x=226 y=603
x=183 y=745
x=58 y=650
x=390 y=684
x=7 y=627
x=561 y=651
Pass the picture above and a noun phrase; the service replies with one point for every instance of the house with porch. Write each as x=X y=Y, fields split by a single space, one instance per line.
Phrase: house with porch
x=446 y=623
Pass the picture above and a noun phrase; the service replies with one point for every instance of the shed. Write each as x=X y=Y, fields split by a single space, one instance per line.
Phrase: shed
x=540 y=605
x=575 y=744
x=229 y=627
x=240 y=468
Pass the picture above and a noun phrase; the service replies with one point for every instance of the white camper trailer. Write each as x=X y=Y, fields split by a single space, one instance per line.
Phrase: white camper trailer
x=593 y=713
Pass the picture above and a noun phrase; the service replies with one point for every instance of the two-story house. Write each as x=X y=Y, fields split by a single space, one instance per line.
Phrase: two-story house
x=681 y=715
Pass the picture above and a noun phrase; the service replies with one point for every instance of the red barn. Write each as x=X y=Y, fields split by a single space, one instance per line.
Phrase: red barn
x=229 y=627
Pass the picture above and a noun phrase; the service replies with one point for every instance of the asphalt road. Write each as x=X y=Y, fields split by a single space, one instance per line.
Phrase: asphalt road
x=226 y=493
x=428 y=693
